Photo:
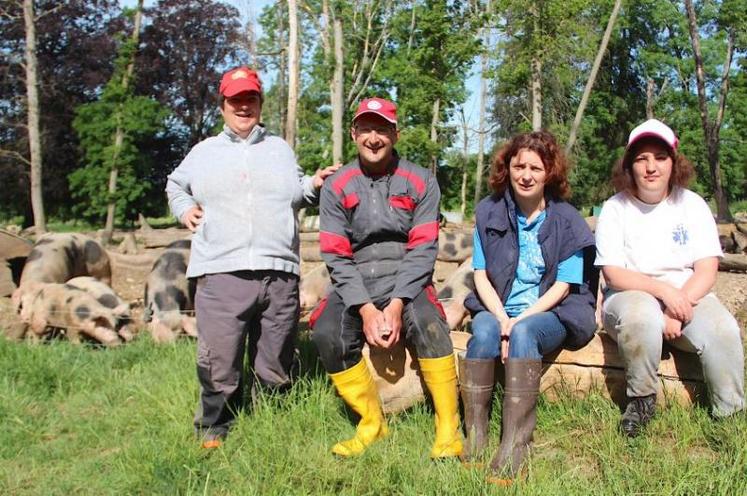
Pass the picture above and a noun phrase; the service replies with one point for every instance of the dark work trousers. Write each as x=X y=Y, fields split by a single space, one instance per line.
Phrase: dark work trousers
x=338 y=333
x=255 y=308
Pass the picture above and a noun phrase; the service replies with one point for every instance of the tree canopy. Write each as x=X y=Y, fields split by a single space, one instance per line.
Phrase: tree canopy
x=423 y=54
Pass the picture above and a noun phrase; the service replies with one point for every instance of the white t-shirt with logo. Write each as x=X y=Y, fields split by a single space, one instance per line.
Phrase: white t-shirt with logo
x=662 y=241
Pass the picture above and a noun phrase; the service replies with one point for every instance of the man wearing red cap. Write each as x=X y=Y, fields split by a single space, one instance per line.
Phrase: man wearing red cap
x=379 y=239
x=239 y=192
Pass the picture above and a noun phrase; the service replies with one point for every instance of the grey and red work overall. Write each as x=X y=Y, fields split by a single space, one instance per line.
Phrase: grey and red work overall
x=379 y=239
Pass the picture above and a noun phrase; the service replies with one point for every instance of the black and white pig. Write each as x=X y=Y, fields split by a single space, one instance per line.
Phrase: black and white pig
x=59 y=257
x=62 y=306
x=105 y=295
x=169 y=295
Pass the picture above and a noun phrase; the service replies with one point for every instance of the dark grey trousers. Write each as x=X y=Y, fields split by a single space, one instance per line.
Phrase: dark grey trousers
x=338 y=332
x=257 y=310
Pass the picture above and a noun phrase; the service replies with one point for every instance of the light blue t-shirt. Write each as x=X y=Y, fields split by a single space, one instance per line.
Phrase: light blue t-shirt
x=531 y=267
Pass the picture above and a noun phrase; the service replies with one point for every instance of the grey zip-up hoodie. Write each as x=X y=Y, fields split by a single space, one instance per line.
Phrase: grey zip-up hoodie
x=250 y=191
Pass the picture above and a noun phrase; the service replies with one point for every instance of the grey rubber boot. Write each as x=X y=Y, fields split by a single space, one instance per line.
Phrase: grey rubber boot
x=476 y=382
x=519 y=415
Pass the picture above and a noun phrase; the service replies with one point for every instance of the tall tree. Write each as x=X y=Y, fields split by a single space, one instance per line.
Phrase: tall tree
x=712 y=126
x=75 y=51
x=349 y=60
x=131 y=48
x=425 y=65
x=484 y=67
x=592 y=76
x=186 y=47
x=111 y=131
x=32 y=95
x=294 y=73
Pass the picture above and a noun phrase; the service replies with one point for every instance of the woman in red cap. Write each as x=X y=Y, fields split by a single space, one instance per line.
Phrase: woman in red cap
x=658 y=248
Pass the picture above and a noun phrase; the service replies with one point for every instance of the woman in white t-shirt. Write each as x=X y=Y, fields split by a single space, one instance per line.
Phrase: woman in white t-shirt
x=658 y=248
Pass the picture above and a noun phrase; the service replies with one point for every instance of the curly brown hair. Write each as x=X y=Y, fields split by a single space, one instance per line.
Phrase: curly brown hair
x=544 y=144
x=622 y=172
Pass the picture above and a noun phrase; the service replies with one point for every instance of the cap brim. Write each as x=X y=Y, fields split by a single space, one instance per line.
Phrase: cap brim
x=364 y=112
x=240 y=87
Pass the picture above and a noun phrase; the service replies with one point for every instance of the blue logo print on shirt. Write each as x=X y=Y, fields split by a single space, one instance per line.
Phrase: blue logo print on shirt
x=679 y=235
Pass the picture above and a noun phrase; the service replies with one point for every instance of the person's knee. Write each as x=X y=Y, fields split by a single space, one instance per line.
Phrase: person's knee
x=485 y=330
x=523 y=342
x=724 y=338
x=485 y=340
x=325 y=337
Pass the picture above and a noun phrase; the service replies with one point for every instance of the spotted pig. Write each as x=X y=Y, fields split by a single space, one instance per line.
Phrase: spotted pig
x=105 y=295
x=59 y=257
x=76 y=312
x=455 y=290
x=455 y=246
x=314 y=286
x=169 y=295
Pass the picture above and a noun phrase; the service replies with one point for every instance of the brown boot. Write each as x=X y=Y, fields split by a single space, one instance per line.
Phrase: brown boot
x=476 y=382
x=519 y=417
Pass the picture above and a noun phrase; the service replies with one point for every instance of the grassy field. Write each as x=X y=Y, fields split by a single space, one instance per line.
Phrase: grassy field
x=78 y=420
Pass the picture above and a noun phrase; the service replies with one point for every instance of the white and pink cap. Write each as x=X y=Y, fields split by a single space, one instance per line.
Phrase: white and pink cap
x=653 y=128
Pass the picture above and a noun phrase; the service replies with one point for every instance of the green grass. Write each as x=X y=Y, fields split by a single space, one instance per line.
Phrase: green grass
x=79 y=420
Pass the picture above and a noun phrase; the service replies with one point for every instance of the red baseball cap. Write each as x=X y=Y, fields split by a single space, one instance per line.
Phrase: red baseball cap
x=378 y=106
x=239 y=80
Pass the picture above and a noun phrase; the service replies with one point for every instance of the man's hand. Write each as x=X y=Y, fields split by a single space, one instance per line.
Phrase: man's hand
x=678 y=303
x=373 y=323
x=192 y=218
x=321 y=174
x=672 y=327
x=393 y=321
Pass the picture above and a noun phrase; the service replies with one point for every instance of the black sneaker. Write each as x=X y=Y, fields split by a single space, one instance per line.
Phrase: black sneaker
x=637 y=414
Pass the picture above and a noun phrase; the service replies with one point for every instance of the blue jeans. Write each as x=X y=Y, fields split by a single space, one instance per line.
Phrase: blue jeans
x=532 y=337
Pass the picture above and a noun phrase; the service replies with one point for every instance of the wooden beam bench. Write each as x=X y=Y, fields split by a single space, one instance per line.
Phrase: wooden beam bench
x=595 y=368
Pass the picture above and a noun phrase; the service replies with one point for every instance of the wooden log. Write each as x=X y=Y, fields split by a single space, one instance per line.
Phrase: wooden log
x=595 y=368
x=7 y=286
x=733 y=262
x=137 y=261
x=310 y=252
x=13 y=246
x=309 y=237
x=159 y=238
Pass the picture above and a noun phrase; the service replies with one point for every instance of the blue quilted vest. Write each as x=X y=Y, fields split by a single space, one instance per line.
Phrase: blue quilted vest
x=562 y=234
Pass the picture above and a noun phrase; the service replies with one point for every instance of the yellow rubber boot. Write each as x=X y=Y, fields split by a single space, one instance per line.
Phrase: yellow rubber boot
x=440 y=376
x=357 y=388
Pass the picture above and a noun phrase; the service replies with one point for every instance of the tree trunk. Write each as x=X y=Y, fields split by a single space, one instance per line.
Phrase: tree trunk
x=434 y=134
x=592 y=77
x=293 y=74
x=650 y=98
x=536 y=94
x=336 y=93
x=119 y=133
x=483 y=106
x=465 y=165
x=711 y=130
x=32 y=95
x=282 y=72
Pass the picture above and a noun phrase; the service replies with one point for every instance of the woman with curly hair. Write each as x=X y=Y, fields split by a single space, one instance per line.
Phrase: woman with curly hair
x=531 y=293
x=658 y=248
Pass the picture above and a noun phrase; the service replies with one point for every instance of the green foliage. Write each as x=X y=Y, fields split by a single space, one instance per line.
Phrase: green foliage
x=96 y=124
